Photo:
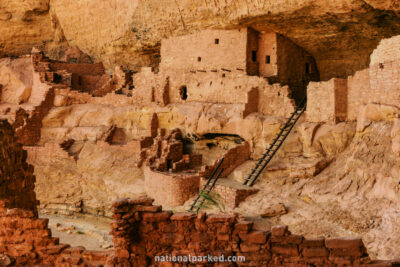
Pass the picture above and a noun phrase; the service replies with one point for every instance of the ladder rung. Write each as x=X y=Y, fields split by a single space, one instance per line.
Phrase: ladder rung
x=276 y=143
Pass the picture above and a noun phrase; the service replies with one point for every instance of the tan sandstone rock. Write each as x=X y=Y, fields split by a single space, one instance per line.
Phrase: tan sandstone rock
x=375 y=112
x=274 y=210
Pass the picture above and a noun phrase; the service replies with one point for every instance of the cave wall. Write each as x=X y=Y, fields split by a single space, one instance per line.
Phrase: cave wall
x=339 y=34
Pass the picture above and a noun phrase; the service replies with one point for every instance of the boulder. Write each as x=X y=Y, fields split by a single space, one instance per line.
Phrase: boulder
x=274 y=210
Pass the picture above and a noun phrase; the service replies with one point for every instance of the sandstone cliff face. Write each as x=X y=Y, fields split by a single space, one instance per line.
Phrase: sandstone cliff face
x=340 y=34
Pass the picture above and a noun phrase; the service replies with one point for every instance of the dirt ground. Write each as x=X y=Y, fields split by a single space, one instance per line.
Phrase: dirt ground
x=91 y=232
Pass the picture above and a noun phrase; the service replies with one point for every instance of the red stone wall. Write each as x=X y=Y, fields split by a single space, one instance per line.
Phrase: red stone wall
x=16 y=176
x=142 y=231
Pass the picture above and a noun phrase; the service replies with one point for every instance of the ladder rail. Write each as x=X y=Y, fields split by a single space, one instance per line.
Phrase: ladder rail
x=270 y=158
x=276 y=144
x=209 y=190
x=208 y=183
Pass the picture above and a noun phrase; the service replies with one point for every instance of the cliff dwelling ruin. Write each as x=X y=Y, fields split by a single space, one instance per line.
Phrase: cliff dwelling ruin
x=265 y=54
x=131 y=131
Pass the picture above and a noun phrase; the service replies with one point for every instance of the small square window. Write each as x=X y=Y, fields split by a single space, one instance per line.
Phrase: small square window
x=199 y=59
x=268 y=60
x=216 y=41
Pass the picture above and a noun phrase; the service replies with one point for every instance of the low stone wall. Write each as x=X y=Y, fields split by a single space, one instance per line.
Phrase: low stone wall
x=143 y=233
x=171 y=189
x=231 y=193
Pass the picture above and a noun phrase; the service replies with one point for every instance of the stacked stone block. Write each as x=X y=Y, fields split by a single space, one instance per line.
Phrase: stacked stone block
x=142 y=231
x=166 y=154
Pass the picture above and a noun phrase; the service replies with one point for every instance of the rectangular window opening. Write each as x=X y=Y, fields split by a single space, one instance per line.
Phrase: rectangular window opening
x=268 y=60
x=199 y=59
x=254 y=55
x=216 y=41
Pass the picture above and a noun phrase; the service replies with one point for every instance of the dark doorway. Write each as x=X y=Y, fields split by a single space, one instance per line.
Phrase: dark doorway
x=183 y=92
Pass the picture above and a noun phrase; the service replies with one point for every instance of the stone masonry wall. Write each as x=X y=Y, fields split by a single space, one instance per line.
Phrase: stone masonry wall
x=205 y=50
x=326 y=101
x=171 y=190
x=359 y=93
x=142 y=232
x=385 y=83
x=16 y=176
x=214 y=87
x=387 y=50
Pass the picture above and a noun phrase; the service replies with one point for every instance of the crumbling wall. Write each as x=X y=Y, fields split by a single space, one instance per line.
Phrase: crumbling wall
x=387 y=50
x=16 y=176
x=142 y=232
x=232 y=159
x=275 y=100
x=384 y=82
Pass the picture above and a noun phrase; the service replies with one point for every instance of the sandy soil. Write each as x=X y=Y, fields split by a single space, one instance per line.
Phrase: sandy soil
x=91 y=232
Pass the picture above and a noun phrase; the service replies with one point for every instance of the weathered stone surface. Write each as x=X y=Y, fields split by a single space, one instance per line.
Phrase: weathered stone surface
x=375 y=112
x=141 y=25
x=274 y=210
